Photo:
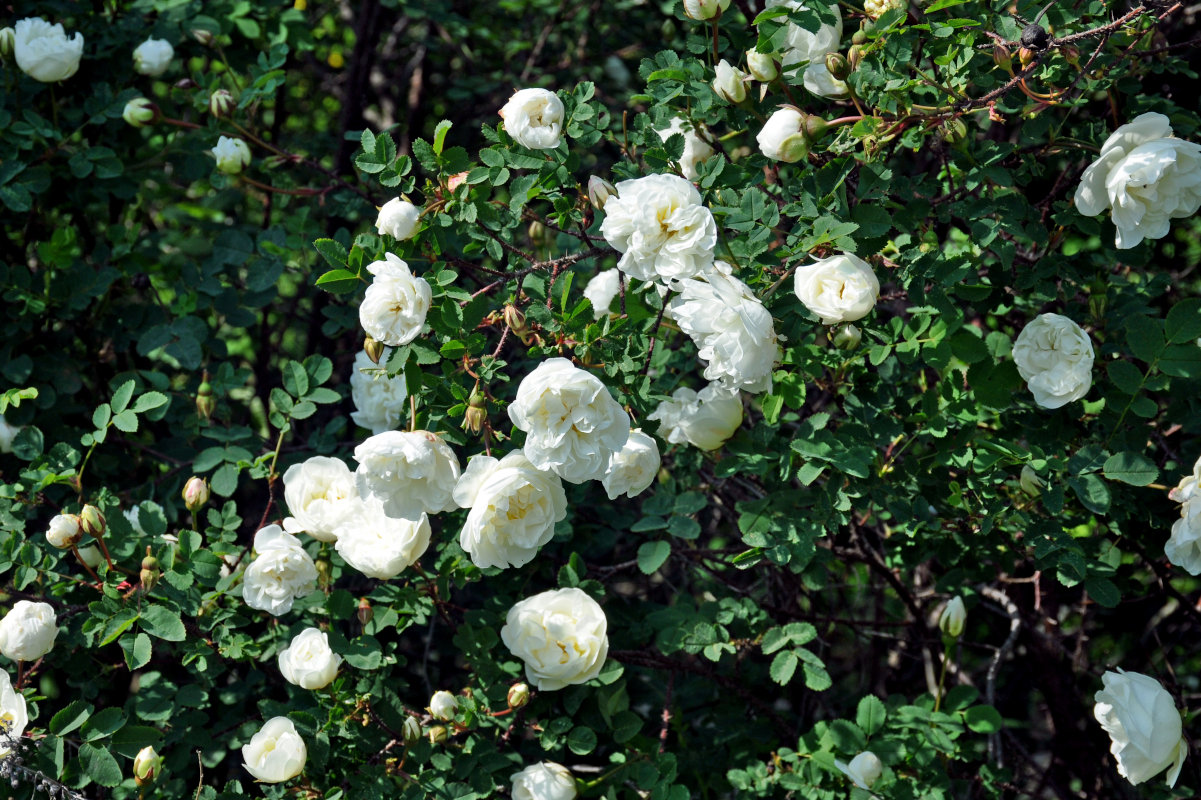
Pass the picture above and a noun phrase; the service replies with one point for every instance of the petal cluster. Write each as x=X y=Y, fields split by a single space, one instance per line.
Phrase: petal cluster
x=561 y=636
x=1143 y=725
x=281 y=572
x=394 y=308
x=661 y=228
x=1055 y=357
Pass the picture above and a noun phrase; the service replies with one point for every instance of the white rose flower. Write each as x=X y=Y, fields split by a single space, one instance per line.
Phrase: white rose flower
x=64 y=531
x=398 y=218
x=783 y=137
x=394 y=308
x=729 y=82
x=281 y=572
x=841 y=288
x=320 y=492
x=660 y=227
x=820 y=82
x=308 y=662
x=276 y=753
x=380 y=400
x=13 y=714
x=545 y=780
x=601 y=290
x=7 y=434
x=380 y=546
x=232 y=155
x=514 y=508
x=761 y=66
x=410 y=471
x=152 y=57
x=572 y=424
x=734 y=334
x=864 y=769
x=1187 y=487
x=43 y=51
x=704 y=420
x=27 y=631
x=696 y=149
x=1055 y=357
x=1183 y=548
x=876 y=8
x=704 y=9
x=802 y=45
x=1146 y=176
x=443 y=705
x=633 y=468
x=534 y=118
x=560 y=635
x=1143 y=724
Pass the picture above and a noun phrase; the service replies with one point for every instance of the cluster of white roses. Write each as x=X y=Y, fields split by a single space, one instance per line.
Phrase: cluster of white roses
x=27 y=632
x=45 y=53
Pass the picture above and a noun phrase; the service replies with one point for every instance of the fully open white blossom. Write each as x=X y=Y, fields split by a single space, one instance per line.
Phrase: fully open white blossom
x=379 y=545
x=1055 y=357
x=704 y=419
x=841 y=288
x=601 y=290
x=560 y=635
x=801 y=45
x=734 y=334
x=1187 y=487
x=572 y=424
x=864 y=769
x=14 y=716
x=1183 y=547
x=276 y=753
x=152 y=57
x=319 y=492
x=398 y=218
x=308 y=661
x=44 y=52
x=1146 y=177
x=514 y=508
x=876 y=8
x=394 y=308
x=1143 y=725
x=534 y=118
x=633 y=468
x=28 y=630
x=412 y=472
x=696 y=149
x=380 y=400
x=660 y=227
x=281 y=572
x=545 y=780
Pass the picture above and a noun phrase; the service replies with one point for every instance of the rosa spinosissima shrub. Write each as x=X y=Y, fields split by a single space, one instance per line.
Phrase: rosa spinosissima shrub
x=691 y=399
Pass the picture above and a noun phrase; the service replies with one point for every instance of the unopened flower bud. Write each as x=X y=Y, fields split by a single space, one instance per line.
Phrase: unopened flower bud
x=92 y=522
x=704 y=9
x=195 y=494
x=443 y=705
x=855 y=56
x=140 y=112
x=437 y=734
x=205 y=37
x=761 y=66
x=954 y=131
x=1030 y=482
x=150 y=572
x=838 y=66
x=147 y=765
x=847 y=337
x=364 y=612
x=516 y=322
x=519 y=695
x=8 y=40
x=953 y=617
x=1025 y=56
x=859 y=36
x=729 y=82
x=411 y=732
x=537 y=232
x=222 y=103
x=476 y=414
x=64 y=531
x=324 y=572
x=1002 y=57
x=374 y=349
x=599 y=191
x=205 y=404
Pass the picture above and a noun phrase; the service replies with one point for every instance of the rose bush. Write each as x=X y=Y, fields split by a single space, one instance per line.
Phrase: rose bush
x=647 y=506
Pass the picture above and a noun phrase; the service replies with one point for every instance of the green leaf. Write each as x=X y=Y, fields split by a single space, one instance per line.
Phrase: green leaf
x=983 y=719
x=103 y=723
x=581 y=740
x=440 y=135
x=1092 y=492
x=1183 y=324
x=1131 y=468
x=871 y=714
x=331 y=251
x=149 y=402
x=122 y=396
x=1125 y=376
x=651 y=556
x=1103 y=591
x=1144 y=337
x=339 y=281
x=99 y=765
x=783 y=666
x=70 y=718
x=164 y=623
x=101 y=417
x=126 y=421
x=137 y=650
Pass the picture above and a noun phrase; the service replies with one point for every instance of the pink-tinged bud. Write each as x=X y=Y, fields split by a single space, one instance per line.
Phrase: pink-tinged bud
x=195 y=494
